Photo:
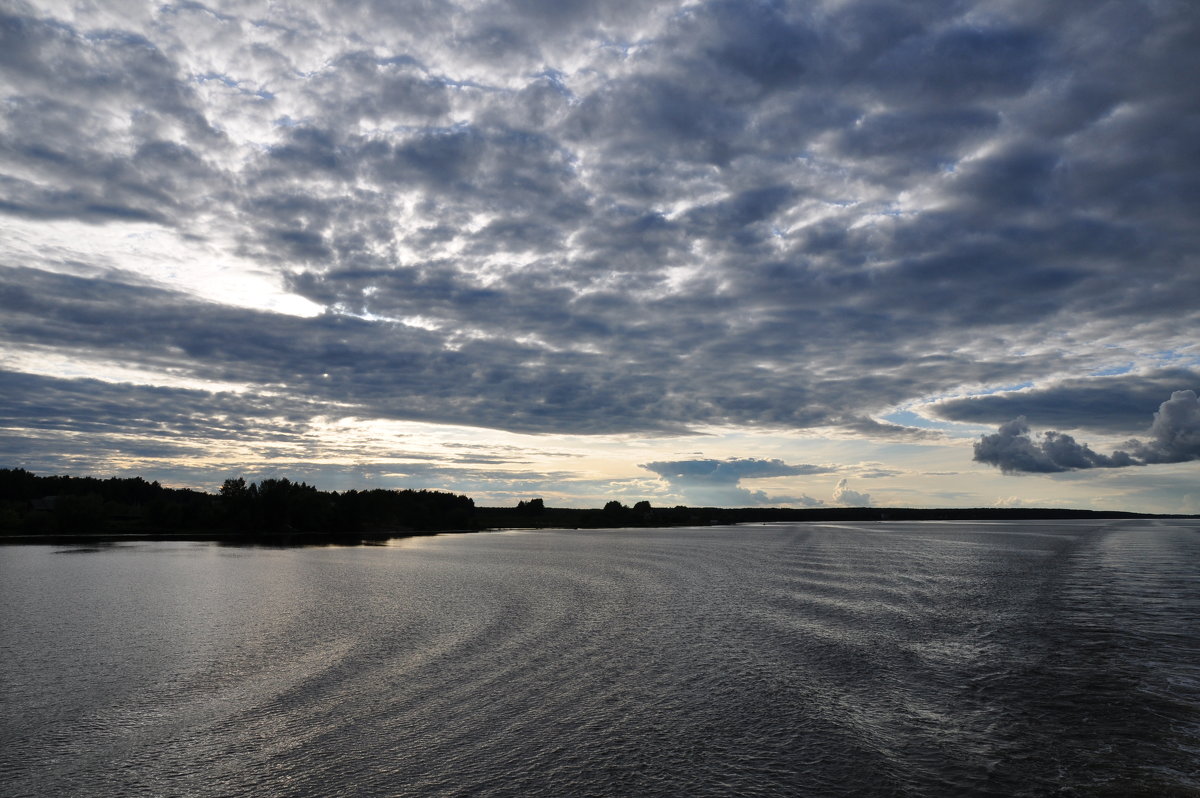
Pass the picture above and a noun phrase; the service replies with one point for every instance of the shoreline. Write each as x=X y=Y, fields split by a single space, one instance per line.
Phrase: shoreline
x=561 y=518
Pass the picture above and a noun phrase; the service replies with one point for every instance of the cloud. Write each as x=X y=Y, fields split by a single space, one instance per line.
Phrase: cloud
x=850 y=498
x=1175 y=433
x=1013 y=450
x=610 y=218
x=1116 y=404
x=726 y=471
x=716 y=482
x=1175 y=438
x=870 y=427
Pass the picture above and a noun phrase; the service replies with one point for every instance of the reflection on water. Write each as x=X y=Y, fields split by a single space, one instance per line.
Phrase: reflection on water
x=856 y=659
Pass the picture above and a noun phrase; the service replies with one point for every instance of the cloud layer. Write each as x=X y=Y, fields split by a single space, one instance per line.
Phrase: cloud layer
x=1116 y=404
x=597 y=217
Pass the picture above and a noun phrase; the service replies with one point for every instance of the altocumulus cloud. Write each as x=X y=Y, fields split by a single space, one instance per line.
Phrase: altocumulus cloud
x=592 y=217
x=716 y=482
x=1174 y=437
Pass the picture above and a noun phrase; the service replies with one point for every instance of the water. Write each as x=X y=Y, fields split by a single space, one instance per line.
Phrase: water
x=908 y=659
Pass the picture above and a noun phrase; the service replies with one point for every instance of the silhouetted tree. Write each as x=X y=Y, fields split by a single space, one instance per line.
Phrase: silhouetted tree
x=233 y=488
x=81 y=514
x=531 y=507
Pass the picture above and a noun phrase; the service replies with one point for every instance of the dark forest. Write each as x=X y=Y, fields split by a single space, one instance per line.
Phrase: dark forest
x=281 y=511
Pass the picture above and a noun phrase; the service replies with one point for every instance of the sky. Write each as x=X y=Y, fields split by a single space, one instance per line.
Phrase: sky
x=824 y=253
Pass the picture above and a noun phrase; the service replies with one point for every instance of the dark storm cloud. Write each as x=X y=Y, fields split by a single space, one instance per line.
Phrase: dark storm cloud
x=628 y=217
x=1174 y=438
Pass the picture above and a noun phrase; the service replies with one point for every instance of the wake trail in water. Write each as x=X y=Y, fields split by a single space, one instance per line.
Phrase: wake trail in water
x=853 y=659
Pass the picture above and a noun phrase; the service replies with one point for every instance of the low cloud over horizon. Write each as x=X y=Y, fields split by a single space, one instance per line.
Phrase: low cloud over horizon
x=1174 y=438
x=850 y=498
x=343 y=236
x=716 y=482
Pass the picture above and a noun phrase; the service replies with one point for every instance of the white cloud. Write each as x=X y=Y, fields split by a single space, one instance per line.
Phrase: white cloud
x=843 y=495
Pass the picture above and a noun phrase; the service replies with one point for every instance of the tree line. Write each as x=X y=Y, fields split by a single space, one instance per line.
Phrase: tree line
x=283 y=511
x=269 y=509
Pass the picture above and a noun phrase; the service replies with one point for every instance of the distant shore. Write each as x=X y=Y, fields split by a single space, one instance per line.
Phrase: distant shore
x=64 y=509
x=501 y=519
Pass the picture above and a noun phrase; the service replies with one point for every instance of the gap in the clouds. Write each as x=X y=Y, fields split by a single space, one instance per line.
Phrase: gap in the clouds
x=1176 y=357
x=908 y=418
x=1020 y=386
x=1112 y=371
x=230 y=83
x=426 y=323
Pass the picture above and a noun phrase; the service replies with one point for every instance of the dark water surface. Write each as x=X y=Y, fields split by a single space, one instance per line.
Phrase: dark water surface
x=1003 y=658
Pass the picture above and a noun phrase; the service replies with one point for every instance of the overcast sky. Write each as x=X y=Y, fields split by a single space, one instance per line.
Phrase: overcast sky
x=889 y=253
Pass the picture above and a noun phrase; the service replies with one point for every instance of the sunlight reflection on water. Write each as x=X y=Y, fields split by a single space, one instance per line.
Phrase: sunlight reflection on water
x=872 y=659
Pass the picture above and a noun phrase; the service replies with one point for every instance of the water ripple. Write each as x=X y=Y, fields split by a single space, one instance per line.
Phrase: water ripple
x=853 y=659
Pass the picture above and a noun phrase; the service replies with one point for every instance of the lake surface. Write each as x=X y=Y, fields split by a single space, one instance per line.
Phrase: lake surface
x=908 y=659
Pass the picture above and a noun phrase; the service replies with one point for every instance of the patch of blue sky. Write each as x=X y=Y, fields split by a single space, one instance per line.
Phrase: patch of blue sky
x=232 y=83
x=217 y=76
x=1113 y=371
x=1005 y=389
x=908 y=418
x=1175 y=357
